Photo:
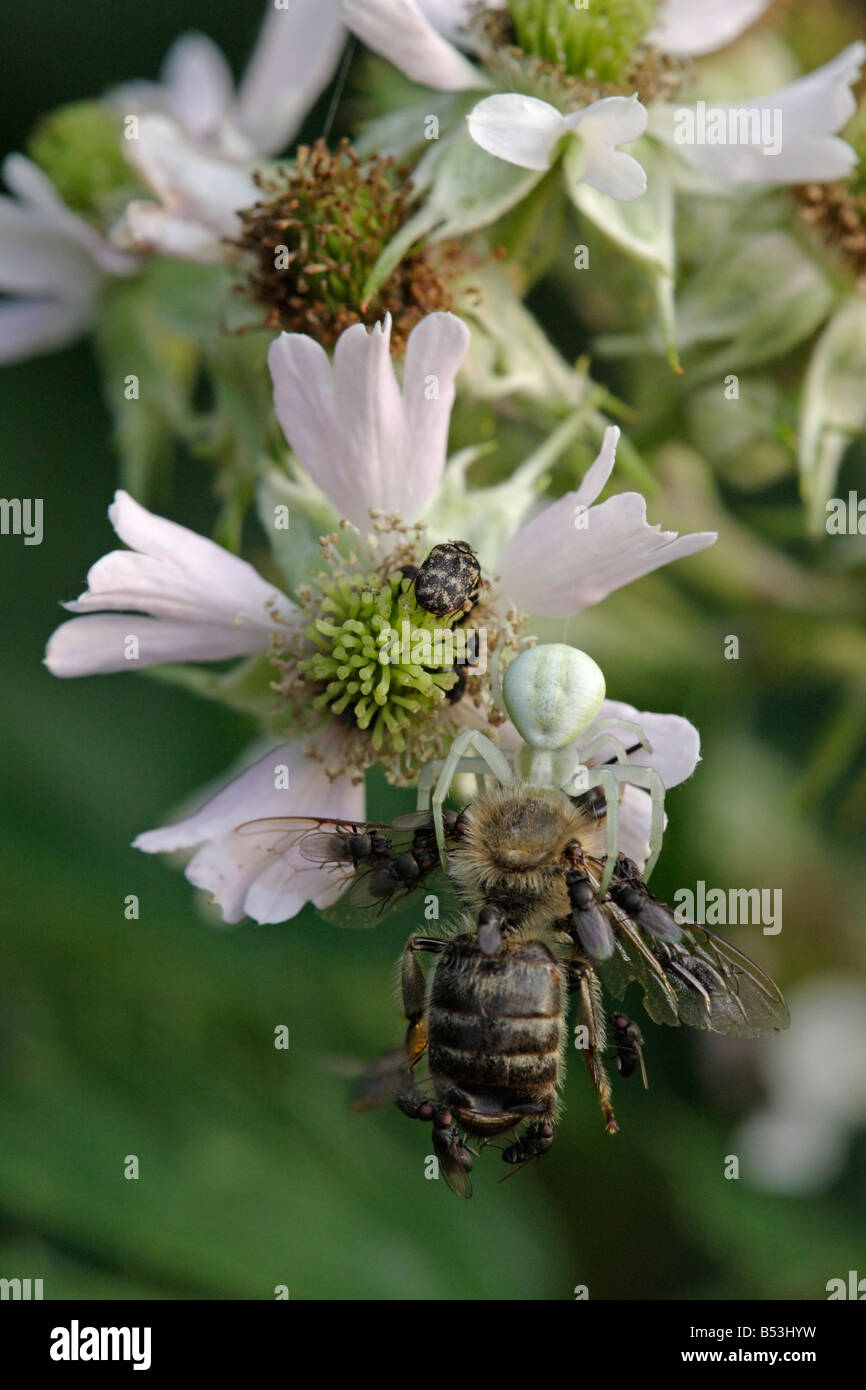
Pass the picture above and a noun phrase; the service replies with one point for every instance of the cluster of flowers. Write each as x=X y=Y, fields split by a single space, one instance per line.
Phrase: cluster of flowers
x=362 y=276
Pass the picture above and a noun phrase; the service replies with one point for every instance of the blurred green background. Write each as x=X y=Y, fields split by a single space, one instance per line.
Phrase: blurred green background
x=155 y=1037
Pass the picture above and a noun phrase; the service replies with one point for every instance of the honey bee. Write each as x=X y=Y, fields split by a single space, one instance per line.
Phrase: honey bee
x=487 y=1025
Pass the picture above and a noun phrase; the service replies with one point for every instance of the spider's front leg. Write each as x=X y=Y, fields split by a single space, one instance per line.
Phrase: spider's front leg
x=610 y=779
x=491 y=757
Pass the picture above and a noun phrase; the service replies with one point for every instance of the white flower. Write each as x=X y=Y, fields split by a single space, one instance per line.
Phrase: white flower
x=688 y=28
x=369 y=445
x=198 y=141
x=199 y=196
x=293 y=60
x=53 y=264
x=420 y=37
x=525 y=131
x=798 y=128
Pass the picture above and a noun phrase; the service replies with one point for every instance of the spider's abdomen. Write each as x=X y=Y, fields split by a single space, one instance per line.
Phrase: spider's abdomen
x=495 y=1030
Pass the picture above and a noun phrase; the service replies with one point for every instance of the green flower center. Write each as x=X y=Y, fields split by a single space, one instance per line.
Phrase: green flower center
x=383 y=663
x=80 y=148
x=316 y=234
x=598 y=41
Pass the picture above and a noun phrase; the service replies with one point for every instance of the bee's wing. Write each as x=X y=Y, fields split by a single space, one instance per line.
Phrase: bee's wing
x=700 y=980
x=382 y=1079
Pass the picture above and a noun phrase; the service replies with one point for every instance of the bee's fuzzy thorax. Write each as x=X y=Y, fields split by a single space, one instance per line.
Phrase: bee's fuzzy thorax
x=511 y=850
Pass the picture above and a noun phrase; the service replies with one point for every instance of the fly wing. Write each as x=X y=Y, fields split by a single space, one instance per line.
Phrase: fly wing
x=634 y=959
x=689 y=975
x=720 y=988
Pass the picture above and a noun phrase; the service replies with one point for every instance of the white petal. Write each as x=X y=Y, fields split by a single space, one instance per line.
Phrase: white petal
x=599 y=471
x=519 y=129
x=602 y=126
x=435 y=352
x=190 y=184
x=99 y=643
x=363 y=442
x=42 y=201
x=244 y=871
x=635 y=819
x=29 y=327
x=796 y=126
x=148 y=227
x=689 y=27
x=402 y=33
x=676 y=744
x=215 y=600
x=199 y=83
x=293 y=60
x=35 y=260
x=553 y=566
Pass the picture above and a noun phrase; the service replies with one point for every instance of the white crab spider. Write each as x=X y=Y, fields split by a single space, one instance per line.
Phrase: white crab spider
x=552 y=693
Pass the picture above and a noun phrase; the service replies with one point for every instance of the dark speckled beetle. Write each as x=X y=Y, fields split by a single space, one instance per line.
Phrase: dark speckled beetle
x=448 y=579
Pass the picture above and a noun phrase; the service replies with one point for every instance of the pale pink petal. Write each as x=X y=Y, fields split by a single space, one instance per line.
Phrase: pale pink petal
x=566 y=558
x=687 y=28
x=402 y=32
x=200 y=591
x=35 y=260
x=199 y=83
x=520 y=129
x=146 y=226
x=599 y=471
x=635 y=818
x=100 y=643
x=191 y=185
x=363 y=441
x=43 y=203
x=246 y=871
x=676 y=744
x=29 y=327
x=293 y=60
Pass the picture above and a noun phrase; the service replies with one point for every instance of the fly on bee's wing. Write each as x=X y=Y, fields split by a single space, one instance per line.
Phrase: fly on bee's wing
x=688 y=973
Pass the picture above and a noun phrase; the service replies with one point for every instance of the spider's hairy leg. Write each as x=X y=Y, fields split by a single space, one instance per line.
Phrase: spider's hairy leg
x=487 y=751
x=602 y=734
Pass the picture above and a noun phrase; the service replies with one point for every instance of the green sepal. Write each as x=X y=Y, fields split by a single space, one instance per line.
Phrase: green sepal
x=643 y=228
x=296 y=550
x=468 y=190
x=834 y=406
x=245 y=688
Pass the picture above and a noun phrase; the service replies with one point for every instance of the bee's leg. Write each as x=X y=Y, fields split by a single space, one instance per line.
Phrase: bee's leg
x=584 y=982
x=496 y=760
x=413 y=986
